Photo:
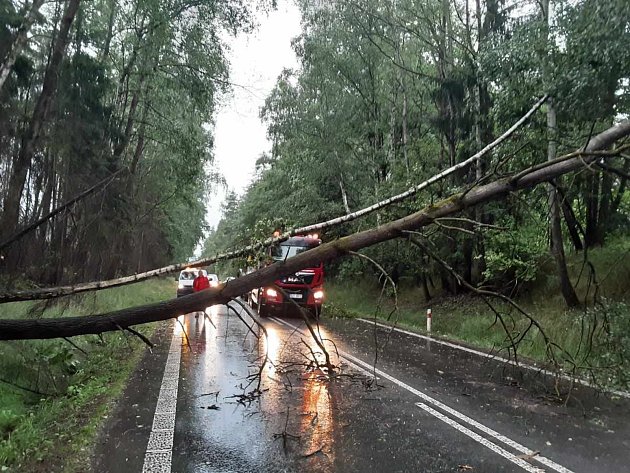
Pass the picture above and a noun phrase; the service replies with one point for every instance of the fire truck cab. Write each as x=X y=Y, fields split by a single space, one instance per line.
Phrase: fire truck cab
x=305 y=288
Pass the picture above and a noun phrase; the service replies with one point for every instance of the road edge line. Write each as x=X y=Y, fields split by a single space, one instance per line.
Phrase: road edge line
x=158 y=455
x=497 y=358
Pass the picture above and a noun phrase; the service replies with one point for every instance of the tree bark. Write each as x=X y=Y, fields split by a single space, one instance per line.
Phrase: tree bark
x=557 y=244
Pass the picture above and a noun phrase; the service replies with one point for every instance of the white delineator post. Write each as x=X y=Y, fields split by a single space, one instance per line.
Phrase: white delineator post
x=429 y=317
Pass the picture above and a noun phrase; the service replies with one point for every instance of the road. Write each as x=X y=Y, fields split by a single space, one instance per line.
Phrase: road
x=197 y=404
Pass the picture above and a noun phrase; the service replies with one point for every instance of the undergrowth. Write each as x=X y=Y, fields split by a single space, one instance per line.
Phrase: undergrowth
x=55 y=393
x=594 y=342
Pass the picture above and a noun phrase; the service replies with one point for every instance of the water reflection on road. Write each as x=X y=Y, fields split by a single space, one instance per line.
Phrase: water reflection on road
x=223 y=425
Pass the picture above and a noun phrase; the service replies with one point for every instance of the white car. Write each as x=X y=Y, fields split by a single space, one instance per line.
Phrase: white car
x=188 y=275
x=214 y=279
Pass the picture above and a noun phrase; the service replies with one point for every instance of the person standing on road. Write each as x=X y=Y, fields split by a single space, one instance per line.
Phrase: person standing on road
x=201 y=282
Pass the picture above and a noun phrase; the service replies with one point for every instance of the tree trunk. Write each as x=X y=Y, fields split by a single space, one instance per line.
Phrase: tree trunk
x=591 y=199
x=557 y=245
x=110 y=31
x=573 y=225
x=31 y=137
x=344 y=196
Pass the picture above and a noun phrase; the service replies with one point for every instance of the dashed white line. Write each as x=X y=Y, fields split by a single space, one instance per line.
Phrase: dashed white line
x=497 y=358
x=159 y=454
x=356 y=362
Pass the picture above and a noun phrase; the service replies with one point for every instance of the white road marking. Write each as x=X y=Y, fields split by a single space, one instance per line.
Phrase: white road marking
x=159 y=454
x=478 y=438
x=352 y=360
x=498 y=358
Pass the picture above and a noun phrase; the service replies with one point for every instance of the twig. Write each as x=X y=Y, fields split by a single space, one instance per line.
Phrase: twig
x=75 y=346
x=184 y=332
x=141 y=337
x=23 y=388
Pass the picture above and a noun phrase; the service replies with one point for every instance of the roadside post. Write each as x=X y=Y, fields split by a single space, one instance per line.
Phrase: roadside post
x=429 y=317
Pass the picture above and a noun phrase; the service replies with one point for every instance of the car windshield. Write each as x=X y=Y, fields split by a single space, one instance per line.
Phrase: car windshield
x=283 y=252
x=189 y=275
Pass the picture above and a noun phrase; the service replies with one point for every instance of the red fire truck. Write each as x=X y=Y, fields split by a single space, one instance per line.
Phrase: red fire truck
x=306 y=287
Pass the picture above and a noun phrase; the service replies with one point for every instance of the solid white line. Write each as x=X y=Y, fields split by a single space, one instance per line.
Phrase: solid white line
x=498 y=358
x=515 y=445
x=478 y=438
x=159 y=453
x=486 y=430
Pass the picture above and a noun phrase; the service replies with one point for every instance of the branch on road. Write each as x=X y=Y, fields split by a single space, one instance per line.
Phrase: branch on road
x=13 y=329
x=54 y=292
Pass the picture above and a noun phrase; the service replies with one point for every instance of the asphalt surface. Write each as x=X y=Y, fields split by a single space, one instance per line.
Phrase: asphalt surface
x=431 y=408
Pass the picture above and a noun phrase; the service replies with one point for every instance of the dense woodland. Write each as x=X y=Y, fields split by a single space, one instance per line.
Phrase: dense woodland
x=106 y=128
x=389 y=93
x=117 y=95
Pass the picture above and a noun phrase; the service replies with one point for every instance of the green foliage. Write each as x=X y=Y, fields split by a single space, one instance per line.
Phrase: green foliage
x=515 y=254
x=52 y=391
x=610 y=357
x=139 y=98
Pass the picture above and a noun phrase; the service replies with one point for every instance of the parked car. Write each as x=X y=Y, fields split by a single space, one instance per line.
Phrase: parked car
x=214 y=279
x=185 y=281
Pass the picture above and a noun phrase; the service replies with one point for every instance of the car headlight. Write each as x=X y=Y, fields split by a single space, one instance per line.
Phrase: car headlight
x=319 y=294
x=271 y=292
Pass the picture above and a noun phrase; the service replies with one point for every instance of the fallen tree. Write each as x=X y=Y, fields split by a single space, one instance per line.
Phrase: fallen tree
x=54 y=292
x=122 y=319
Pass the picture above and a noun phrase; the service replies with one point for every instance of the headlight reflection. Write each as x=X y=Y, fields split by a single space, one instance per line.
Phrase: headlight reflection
x=271 y=344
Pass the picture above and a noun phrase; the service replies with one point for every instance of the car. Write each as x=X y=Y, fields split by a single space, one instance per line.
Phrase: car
x=187 y=277
x=185 y=280
x=213 y=279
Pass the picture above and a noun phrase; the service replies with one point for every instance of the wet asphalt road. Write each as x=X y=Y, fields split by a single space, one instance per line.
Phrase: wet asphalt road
x=432 y=408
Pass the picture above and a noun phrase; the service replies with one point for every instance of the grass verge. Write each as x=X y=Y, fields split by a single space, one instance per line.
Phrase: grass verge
x=593 y=343
x=54 y=393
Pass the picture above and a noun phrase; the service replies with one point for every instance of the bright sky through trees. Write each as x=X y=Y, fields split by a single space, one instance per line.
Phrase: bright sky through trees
x=256 y=60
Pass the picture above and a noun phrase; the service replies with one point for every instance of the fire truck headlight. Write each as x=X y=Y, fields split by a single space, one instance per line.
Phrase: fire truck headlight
x=318 y=294
x=271 y=292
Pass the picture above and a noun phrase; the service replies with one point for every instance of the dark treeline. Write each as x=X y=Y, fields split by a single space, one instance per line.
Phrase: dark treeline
x=91 y=89
x=390 y=92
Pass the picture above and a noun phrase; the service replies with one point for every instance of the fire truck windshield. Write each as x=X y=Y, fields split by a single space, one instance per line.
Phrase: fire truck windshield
x=282 y=252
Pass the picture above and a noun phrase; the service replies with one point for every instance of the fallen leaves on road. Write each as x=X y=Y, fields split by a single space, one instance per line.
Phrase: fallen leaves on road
x=527 y=456
x=465 y=468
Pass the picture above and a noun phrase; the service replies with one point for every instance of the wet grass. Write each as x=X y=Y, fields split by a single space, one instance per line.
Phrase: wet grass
x=56 y=394
x=583 y=337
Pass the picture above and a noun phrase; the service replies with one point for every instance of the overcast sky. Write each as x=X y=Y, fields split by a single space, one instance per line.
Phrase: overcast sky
x=256 y=61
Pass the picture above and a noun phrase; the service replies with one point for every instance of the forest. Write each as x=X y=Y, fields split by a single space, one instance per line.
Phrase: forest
x=389 y=93
x=474 y=152
x=106 y=112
